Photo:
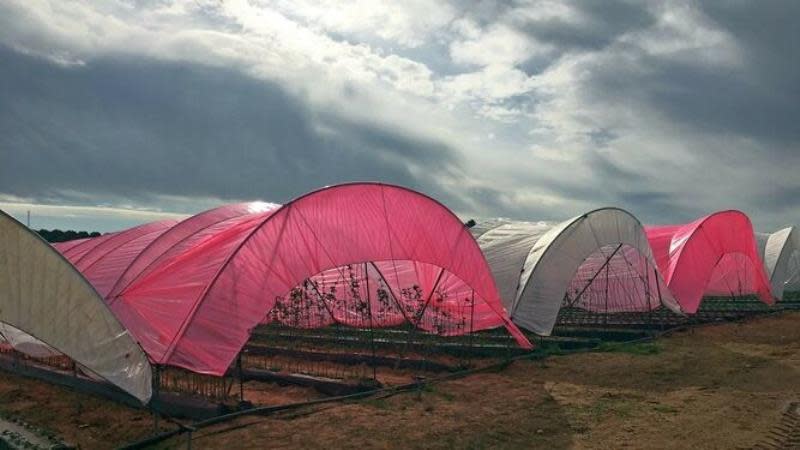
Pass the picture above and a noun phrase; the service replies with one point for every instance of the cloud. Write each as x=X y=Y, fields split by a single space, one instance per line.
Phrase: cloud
x=154 y=128
x=532 y=110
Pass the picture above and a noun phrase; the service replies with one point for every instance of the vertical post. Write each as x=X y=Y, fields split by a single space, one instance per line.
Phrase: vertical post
x=241 y=382
x=658 y=289
x=471 y=321
x=421 y=313
x=647 y=294
x=371 y=323
x=154 y=399
x=605 y=316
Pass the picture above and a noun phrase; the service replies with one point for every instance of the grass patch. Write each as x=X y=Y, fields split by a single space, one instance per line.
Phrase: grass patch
x=549 y=349
x=638 y=348
x=666 y=409
x=377 y=403
x=611 y=406
x=447 y=396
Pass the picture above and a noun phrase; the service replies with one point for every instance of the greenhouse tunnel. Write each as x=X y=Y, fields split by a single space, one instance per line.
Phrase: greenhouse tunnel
x=780 y=252
x=192 y=292
x=714 y=255
x=599 y=262
x=47 y=306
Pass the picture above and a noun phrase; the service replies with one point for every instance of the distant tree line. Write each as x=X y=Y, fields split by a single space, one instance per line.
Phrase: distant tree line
x=63 y=236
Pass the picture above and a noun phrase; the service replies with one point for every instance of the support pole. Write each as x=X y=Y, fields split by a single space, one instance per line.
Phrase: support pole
x=472 y=321
x=658 y=289
x=371 y=324
x=430 y=296
x=421 y=312
x=599 y=271
x=155 y=398
x=241 y=382
x=605 y=309
x=647 y=294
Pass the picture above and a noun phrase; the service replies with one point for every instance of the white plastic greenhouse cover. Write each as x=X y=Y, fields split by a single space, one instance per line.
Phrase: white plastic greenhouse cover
x=761 y=242
x=781 y=256
x=44 y=296
x=535 y=263
x=25 y=343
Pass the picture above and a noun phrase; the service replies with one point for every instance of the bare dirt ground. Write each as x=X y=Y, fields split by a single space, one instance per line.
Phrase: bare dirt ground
x=80 y=419
x=721 y=386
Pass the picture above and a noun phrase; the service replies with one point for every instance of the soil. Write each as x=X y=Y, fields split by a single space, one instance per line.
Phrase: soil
x=722 y=386
x=80 y=419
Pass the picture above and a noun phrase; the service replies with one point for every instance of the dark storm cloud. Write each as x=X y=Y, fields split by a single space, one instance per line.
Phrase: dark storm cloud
x=606 y=169
x=781 y=198
x=594 y=26
x=758 y=98
x=768 y=32
x=706 y=98
x=598 y=24
x=752 y=105
x=114 y=127
x=625 y=187
x=494 y=203
x=656 y=208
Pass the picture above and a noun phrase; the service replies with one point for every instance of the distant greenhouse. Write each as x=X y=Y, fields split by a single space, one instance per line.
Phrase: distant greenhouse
x=600 y=261
x=714 y=255
x=780 y=252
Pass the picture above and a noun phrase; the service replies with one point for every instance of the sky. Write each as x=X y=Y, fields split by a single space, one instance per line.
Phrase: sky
x=119 y=112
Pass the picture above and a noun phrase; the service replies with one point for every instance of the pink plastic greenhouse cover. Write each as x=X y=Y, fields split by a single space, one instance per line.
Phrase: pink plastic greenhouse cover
x=103 y=259
x=64 y=246
x=386 y=294
x=191 y=293
x=703 y=256
x=181 y=235
x=74 y=253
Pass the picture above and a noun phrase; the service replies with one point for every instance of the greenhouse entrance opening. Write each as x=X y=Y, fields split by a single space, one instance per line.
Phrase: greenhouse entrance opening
x=376 y=323
x=615 y=290
x=730 y=293
x=791 y=292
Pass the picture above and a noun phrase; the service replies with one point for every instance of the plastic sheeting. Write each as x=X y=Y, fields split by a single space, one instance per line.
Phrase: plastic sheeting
x=254 y=264
x=619 y=279
x=538 y=265
x=75 y=252
x=25 y=343
x=66 y=245
x=42 y=295
x=733 y=276
x=385 y=294
x=780 y=252
x=179 y=236
x=716 y=255
x=96 y=250
x=194 y=291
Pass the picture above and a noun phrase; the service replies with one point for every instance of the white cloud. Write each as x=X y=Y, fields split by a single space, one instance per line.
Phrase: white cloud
x=409 y=23
x=501 y=45
x=684 y=32
x=362 y=60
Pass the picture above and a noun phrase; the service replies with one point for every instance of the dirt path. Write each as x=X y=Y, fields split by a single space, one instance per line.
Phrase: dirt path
x=715 y=387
